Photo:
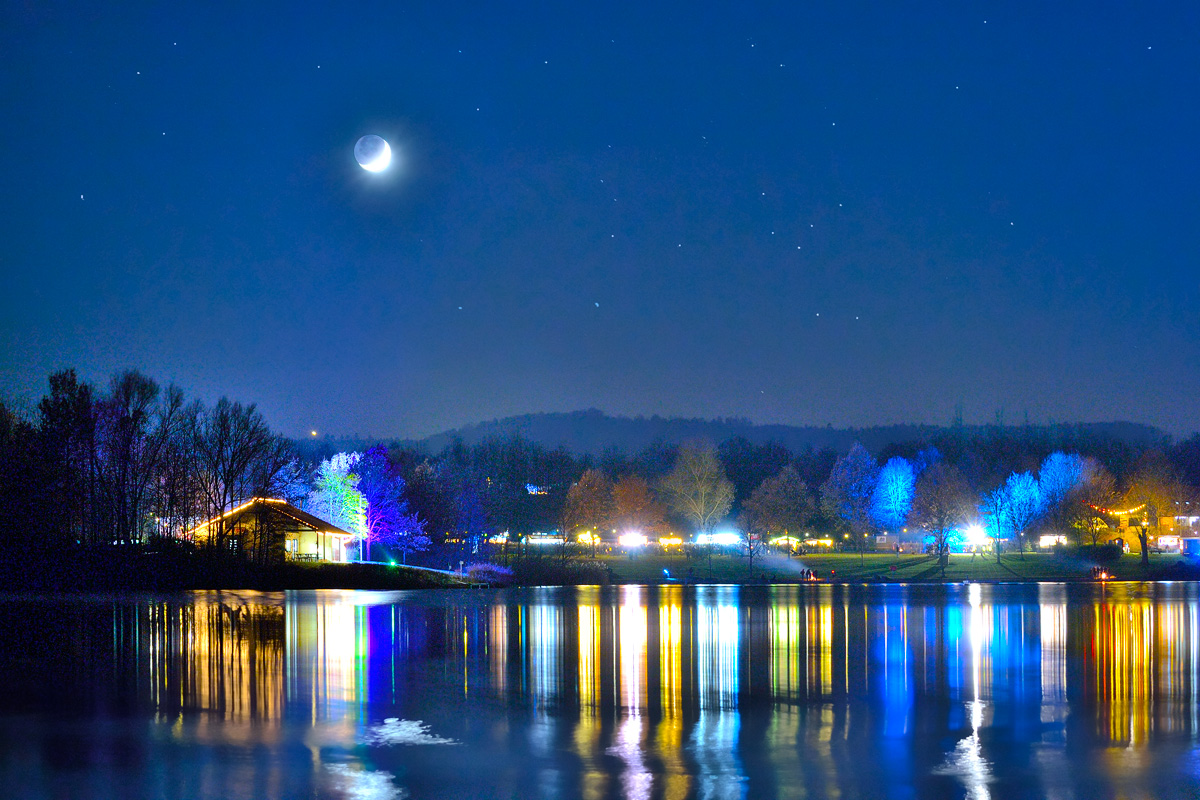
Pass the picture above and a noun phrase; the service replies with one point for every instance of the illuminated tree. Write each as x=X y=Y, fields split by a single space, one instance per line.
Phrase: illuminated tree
x=893 y=495
x=994 y=507
x=1024 y=504
x=782 y=503
x=588 y=504
x=941 y=504
x=407 y=535
x=386 y=516
x=635 y=507
x=847 y=494
x=1087 y=506
x=697 y=489
x=335 y=497
x=1059 y=479
x=1155 y=487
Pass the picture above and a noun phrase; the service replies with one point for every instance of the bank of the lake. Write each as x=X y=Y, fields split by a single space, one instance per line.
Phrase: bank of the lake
x=141 y=569
x=889 y=567
x=98 y=569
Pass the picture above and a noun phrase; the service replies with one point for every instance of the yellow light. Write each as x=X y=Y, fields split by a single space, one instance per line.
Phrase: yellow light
x=670 y=540
x=1120 y=512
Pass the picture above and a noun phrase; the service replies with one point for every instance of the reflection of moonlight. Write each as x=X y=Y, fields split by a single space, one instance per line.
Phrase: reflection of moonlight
x=372 y=153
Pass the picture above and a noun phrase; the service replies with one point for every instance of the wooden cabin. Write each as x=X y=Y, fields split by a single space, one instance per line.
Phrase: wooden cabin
x=268 y=530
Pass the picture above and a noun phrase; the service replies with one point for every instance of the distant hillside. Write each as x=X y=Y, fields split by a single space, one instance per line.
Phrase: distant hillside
x=594 y=432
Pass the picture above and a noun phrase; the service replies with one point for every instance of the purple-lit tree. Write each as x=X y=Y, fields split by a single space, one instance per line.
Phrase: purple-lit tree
x=407 y=535
x=387 y=517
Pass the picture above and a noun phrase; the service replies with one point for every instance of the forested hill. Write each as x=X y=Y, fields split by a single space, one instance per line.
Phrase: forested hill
x=594 y=432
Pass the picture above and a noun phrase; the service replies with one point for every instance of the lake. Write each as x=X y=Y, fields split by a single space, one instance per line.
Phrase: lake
x=818 y=691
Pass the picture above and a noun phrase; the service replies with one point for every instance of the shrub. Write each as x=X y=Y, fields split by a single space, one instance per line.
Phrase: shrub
x=1101 y=553
x=547 y=572
x=493 y=574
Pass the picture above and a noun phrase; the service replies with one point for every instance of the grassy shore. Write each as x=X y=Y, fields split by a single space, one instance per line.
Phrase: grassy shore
x=852 y=568
x=108 y=569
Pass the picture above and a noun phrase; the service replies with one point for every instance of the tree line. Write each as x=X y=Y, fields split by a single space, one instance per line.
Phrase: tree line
x=136 y=463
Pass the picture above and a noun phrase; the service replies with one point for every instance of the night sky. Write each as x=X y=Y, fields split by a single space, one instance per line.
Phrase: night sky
x=849 y=213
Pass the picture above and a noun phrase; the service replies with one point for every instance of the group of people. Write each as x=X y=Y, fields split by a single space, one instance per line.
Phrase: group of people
x=1099 y=574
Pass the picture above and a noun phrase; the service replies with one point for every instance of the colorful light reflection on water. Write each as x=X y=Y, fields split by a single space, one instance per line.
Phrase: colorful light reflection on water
x=672 y=692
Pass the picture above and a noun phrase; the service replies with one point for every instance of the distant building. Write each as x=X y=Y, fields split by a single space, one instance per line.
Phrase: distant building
x=269 y=530
x=1166 y=535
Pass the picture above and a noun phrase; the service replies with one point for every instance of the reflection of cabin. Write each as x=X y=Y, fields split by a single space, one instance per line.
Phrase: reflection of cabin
x=264 y=529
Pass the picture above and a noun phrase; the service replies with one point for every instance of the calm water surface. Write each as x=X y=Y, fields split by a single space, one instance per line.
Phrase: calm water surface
x=643 y=692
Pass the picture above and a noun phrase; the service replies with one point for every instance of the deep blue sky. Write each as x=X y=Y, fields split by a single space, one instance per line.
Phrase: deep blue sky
x=835 y=213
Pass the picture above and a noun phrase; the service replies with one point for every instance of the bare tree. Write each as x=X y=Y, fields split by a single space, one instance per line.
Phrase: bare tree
x=588 y=506
x=1087 y=506
x=782 y=503
x=1155 y=487
x=697 y=489
x=136 y=423
x=942 y=501
x=238 y=458
x=635 y=507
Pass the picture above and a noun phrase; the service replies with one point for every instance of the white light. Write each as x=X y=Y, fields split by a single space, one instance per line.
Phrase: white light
x=975 y=535
x=720 y=538
x=632 y=539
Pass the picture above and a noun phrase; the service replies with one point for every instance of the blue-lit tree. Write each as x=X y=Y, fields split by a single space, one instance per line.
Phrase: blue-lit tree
x=1024 y=504
x=1059 y=480
x=893 y=495
x=994 y=508
x=847 y=494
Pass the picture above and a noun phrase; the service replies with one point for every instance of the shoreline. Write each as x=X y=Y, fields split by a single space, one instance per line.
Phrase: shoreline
x=115 y=570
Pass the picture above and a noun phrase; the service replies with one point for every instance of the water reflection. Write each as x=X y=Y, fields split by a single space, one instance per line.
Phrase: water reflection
x=816 y=691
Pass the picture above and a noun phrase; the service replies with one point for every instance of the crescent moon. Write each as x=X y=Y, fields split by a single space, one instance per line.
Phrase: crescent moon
x=373 y=153
x=381 y=161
